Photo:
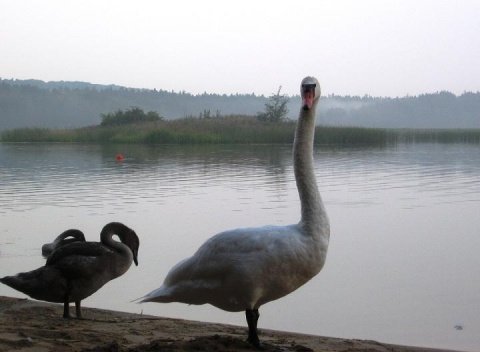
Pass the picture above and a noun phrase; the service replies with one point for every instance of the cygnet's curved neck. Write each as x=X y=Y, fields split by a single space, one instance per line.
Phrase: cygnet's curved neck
x=314 y=217
x=123 y=257
x=106 y=237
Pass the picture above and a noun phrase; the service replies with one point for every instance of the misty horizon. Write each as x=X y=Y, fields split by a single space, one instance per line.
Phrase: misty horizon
x=35 y=103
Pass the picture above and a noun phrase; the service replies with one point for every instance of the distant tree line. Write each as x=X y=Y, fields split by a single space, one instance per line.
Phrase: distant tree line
x=63 y=105
x=41 y=104
x=437 y=110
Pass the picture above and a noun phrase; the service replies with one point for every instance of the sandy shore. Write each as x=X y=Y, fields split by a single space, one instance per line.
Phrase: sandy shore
x=28 y=325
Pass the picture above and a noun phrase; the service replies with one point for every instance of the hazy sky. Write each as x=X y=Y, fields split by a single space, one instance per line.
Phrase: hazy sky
x=357 y=47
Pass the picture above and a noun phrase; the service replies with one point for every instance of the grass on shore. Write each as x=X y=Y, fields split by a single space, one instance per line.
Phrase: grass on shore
x=234 y=130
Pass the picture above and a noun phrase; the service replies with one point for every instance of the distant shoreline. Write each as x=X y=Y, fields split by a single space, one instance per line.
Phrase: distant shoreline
x=234 y=130
x=35 y=103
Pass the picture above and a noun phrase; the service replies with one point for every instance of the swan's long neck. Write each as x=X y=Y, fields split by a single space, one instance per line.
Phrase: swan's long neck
x=314 y=219
x=106 y=237
x=122 y=260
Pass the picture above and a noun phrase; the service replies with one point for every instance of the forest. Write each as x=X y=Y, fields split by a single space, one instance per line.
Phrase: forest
x=63 y=105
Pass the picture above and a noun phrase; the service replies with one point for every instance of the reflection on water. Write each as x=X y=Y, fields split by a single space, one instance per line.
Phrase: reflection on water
x=403 y=261
x=88 y=176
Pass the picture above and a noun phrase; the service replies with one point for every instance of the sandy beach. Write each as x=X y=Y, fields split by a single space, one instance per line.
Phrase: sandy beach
x=28 y=325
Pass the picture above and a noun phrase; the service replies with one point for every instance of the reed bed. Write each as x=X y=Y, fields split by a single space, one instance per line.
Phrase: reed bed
x=234 y=130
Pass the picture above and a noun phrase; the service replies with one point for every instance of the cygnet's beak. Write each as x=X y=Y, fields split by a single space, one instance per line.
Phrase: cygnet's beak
x=135 y=256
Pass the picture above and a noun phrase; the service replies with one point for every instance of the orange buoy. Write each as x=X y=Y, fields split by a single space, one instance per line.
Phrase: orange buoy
x=119 y=157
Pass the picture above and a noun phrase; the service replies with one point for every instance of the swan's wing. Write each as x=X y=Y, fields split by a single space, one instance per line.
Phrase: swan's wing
x=233 y=255
x=249 y=242
x=88 y=249
x=79 y=258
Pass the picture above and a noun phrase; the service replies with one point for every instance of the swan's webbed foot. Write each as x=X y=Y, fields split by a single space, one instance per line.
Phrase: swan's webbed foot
x=252 y=319
x=255 y=342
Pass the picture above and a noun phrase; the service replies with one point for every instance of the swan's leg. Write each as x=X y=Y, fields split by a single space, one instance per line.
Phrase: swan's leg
x=252 y=319
x=66 y=310
x=78 y=309
x=66 y=303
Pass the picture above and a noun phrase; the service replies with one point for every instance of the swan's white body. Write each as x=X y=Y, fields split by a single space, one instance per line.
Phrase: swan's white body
x=244 y=268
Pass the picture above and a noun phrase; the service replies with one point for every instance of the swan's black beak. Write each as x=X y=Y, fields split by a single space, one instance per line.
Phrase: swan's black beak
x=135 y=257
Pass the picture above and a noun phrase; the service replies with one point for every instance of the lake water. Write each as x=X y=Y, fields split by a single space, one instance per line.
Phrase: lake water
x=404 y=260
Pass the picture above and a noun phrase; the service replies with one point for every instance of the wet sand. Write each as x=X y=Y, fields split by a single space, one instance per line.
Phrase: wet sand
x=27 y=325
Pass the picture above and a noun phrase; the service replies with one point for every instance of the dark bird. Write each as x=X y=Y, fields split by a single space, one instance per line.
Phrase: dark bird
x=242 y=269
x=66 y=237
x=75 y=271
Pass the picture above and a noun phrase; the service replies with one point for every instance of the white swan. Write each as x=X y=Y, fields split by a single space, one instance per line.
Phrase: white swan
x=62 y=240
x=77 y=270
x=241 y=269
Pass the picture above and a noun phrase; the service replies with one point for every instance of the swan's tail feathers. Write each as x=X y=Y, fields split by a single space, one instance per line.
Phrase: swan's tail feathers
x=25 y=282
x=161 y=295
x=6 y=280
x=39 y=284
